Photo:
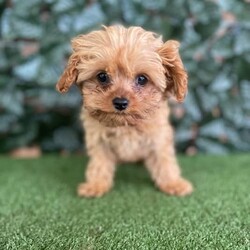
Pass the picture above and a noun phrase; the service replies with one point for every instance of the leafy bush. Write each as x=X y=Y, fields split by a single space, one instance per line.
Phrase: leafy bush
x=35 y=35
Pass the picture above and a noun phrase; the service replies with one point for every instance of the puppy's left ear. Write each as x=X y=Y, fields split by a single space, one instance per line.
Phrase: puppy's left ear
x=176 y=75
x=69 y=75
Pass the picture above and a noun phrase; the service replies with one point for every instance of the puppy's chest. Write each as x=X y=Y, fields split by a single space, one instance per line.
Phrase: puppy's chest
x=127 y=144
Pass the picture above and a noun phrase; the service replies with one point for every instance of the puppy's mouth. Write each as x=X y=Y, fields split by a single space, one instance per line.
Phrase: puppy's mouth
x=116 y=119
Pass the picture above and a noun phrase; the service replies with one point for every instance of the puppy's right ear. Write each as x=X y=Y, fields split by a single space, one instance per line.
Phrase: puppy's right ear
x=69 y=75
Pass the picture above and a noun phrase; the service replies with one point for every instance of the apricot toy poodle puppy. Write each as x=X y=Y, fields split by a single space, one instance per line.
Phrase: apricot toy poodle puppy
x=125 y=76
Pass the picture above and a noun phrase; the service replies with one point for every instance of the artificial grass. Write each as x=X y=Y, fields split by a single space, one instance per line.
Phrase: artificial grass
x=39 y=208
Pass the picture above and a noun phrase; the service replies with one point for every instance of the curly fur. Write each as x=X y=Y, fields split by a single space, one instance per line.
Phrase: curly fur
x=142 y=131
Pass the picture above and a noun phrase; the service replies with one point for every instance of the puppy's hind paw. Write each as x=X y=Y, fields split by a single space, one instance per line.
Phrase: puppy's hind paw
x=92 y=189
x=179 y=187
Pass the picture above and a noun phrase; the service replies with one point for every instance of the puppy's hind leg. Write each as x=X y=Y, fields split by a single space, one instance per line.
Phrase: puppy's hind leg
x=99 y=175
x=166 y=173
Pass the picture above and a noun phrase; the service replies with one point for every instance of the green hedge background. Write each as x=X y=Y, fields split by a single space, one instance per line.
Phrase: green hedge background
x=35 y=44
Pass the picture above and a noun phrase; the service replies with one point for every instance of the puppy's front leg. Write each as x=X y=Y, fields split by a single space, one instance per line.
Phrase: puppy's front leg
x=99 y=174
x=165 y=172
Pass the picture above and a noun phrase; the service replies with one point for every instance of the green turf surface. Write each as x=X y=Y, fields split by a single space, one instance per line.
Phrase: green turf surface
x=39 y=208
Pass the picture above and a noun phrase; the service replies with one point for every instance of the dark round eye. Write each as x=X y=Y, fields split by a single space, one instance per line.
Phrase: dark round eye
x=141 y=80
x=102 y=78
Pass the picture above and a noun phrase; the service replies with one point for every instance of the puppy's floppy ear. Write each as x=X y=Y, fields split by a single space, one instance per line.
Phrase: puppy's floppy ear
x=176 y=75
x=69 y=75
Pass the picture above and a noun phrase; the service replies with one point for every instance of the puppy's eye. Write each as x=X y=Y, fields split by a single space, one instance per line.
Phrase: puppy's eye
x=141 y=80
x=103 y=78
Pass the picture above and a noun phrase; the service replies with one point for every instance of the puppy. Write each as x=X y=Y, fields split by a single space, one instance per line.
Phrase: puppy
x=125 y=76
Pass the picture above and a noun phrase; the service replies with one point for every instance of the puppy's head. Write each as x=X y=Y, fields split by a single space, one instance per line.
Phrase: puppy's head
x=124 y=73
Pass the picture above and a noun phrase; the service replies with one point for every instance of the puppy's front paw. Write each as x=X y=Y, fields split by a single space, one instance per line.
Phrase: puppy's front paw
x=179 y=187
x=93 y=189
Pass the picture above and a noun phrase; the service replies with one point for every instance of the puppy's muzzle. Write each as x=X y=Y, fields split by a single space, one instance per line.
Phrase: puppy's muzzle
x=120 y=103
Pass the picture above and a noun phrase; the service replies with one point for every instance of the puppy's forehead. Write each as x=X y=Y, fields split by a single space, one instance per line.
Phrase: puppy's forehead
x=116 y=41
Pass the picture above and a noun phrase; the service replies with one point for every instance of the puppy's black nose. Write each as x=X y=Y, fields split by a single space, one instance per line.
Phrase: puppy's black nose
x=120 y=103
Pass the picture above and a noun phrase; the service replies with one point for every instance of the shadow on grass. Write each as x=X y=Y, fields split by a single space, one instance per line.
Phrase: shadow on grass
x=133 y=174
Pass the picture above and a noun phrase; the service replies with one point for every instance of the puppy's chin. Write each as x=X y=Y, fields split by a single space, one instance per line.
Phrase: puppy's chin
x=115 y=119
